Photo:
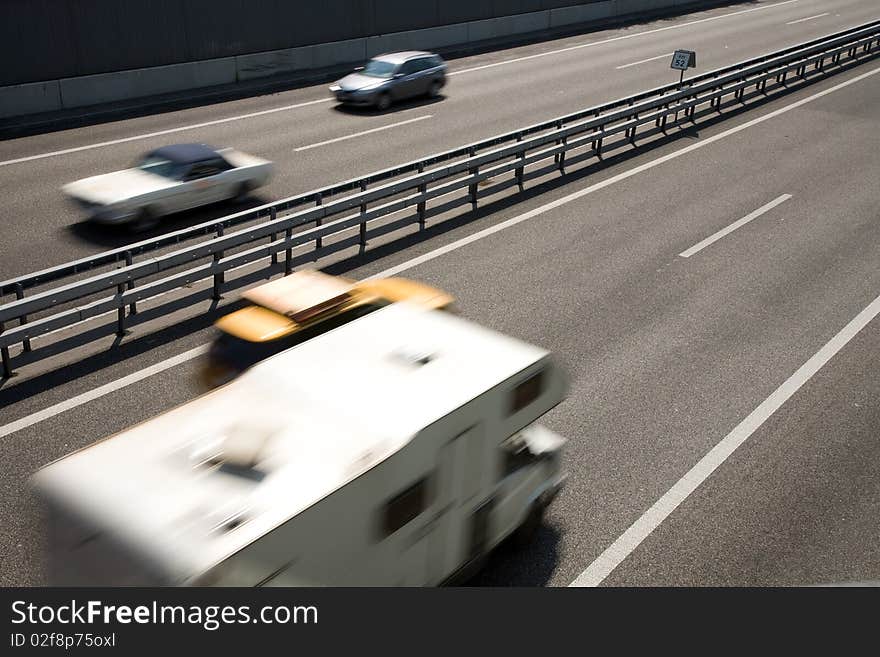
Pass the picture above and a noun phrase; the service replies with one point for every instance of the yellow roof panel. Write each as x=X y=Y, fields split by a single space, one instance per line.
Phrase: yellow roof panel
x=256 y=324
x=285 y=305
x=403 y=289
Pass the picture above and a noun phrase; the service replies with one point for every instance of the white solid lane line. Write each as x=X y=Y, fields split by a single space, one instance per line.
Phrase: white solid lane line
x=409 y=264
x=105 y=389
x=364 y=132
x=620 y=38
x=612 y=557
x=327 y=100
x=169 y=131
x=699 y=246
x=643 y=61
x=808 y=18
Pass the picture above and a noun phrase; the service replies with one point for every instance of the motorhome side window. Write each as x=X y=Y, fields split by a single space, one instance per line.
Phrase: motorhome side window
x=526 y=392
x=405 y=506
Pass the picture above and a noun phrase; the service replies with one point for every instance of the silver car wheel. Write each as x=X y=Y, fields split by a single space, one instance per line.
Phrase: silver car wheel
x=383 y=102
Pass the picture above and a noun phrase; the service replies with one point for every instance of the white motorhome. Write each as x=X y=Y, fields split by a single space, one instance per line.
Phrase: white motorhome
x=396 y=450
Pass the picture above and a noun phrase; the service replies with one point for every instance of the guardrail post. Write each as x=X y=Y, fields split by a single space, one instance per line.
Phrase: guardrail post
x=556 y=157
x=273 y=215
x=363 y=221
x=4 y=354
x=19 y=294
x=520 y=171
x=319 y=242
x=472 y=188
x=218 y=277
x=421 y=205
x=120 y=312
x=632 y=132
x=132 y=307
x=660 y=121
x=562 y=156
x=288 y=253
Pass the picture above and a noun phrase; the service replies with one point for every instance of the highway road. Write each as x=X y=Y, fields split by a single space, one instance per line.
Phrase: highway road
x=714 y=300
x=487 y=95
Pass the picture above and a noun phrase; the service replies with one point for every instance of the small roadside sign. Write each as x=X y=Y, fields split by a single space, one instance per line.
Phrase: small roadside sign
x=684 y=59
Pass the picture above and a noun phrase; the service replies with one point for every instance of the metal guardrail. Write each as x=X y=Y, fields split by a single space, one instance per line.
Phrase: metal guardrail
x=333 y=219
x=18 y=284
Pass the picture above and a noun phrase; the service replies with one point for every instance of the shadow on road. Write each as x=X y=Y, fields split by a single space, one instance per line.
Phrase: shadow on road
x=532 y=565
x=112 y=237
x=399 y=106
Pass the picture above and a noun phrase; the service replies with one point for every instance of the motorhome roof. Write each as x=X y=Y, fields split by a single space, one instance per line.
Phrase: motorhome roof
x=312 y=418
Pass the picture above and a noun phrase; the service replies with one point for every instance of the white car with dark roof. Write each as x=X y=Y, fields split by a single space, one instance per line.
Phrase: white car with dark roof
x=169 y=180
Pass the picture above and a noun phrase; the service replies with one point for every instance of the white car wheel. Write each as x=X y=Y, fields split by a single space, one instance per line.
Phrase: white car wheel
x=242 y=192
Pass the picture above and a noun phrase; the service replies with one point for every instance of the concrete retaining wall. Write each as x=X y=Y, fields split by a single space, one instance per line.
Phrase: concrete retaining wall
x=583 y=14
x=67 y=93
x=110 y=87
x=30 y=98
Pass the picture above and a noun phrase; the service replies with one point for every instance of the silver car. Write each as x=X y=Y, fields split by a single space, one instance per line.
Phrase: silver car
x=389 y=78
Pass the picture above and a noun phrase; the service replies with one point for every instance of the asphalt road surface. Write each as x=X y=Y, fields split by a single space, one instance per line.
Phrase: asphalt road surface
x=487 y=95
x=714 y=302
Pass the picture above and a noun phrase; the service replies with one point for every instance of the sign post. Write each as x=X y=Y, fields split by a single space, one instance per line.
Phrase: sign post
x=682 y=60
